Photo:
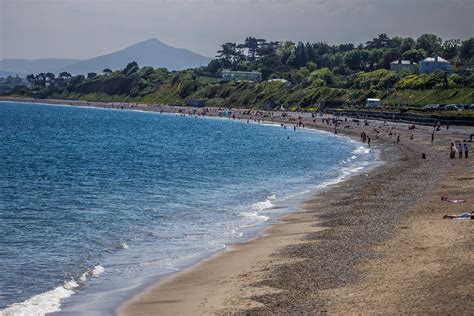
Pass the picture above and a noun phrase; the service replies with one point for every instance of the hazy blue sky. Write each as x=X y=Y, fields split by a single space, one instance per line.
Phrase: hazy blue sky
x=87 y=28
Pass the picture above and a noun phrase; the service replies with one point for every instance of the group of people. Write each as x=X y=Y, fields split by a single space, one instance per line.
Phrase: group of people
x=365 y=138
x=459 y=148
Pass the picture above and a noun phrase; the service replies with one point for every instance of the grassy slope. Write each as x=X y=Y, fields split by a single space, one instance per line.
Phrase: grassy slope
x=422 y=97
x=177 y=89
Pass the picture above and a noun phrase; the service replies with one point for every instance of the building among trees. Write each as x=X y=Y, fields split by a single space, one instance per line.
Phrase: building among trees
x=436 y=63
x=228 y=75
x=401 y=65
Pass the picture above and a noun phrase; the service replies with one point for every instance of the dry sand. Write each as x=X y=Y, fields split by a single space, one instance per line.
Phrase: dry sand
x=374 y=244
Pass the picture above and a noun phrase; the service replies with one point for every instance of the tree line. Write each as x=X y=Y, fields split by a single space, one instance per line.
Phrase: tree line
x=343 y=59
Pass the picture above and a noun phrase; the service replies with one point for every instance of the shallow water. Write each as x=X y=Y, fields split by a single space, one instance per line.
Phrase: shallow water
x=94 y=203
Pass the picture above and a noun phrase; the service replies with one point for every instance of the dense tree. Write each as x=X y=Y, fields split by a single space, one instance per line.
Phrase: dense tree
x=301 y=55
x=382 y=41
x=414 y=54
x=430 y=43
x=230 y=53
x=64 y=75
x=466 y=51
x=31 y=78
x=307 y=66
x=451 y=48
x=356 y=59
x=252 y=45
x=77 y=79
x=285 y=51
x=131 y=67
x=407 y=44
x=344 y=47
x=50 y=77
x=41 y=78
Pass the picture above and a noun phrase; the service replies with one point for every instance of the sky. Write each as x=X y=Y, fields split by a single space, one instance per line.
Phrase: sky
x=89 y=28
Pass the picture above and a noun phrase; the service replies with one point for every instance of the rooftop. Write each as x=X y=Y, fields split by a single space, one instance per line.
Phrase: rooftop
x=433 y=59
x=403 y=62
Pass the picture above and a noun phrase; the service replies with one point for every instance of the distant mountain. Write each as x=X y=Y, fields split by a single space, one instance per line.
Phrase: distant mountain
x=151 y=52
x=22 y=67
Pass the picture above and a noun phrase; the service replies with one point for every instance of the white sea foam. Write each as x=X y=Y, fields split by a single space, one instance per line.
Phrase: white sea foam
x=260 y=206
x=345 y=172
x=361 y=150
x=123 y=245
x=98 y=270
x=83 y=277
x=255 y=215
x=42 y=304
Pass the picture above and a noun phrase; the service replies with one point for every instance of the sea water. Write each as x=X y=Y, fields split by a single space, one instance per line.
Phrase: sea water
x=97 y=203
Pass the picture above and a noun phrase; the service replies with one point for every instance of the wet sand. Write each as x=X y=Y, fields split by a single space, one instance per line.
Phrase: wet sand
x=375 y=243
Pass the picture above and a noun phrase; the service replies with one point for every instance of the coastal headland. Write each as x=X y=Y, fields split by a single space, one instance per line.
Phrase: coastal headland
x=375 y=243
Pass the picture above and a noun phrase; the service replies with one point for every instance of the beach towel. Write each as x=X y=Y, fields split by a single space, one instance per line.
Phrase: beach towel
x=444 y=199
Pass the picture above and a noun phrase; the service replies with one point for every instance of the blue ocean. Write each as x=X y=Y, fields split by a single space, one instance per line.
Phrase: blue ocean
x=96 y=203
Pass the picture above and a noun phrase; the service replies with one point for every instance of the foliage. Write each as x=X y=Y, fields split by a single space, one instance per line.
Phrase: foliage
x=317 y=73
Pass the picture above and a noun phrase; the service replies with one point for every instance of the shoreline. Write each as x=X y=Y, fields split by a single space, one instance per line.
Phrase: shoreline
x=257 y=283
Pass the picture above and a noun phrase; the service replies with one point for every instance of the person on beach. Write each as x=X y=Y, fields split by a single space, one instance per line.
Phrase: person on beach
x=452 y=154
x=368 y=141
x=464 y=215
x=398 y=138
x=432 y=137
x=460 y=147
x=466 y=150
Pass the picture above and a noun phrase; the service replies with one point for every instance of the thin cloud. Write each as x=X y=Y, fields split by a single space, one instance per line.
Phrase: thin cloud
x=86 y=28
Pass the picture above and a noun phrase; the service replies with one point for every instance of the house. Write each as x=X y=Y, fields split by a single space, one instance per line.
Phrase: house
x=372 y=103
x=401 y=65
x=228 y=75
x=436 y=63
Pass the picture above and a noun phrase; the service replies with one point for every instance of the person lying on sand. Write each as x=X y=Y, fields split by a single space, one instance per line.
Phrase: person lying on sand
x=445 y=199
x=464 y=215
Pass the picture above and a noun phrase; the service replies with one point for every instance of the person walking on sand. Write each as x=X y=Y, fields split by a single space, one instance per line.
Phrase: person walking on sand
x=452 y=154
x=466 y=150
x=460 y=147
x=398 y=138
x=432 y=137
x=368 y=141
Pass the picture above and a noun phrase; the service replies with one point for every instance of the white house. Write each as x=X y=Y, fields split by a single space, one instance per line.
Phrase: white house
x=436 y=63
x=400 y=65
x=372 y=103
x=228 y=75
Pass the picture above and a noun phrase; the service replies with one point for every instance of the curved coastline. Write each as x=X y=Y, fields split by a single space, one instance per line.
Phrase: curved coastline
x=294 y=261
x=256 y=234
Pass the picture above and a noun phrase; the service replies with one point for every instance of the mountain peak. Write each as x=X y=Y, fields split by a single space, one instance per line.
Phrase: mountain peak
x=152 y=41
x=151 y=52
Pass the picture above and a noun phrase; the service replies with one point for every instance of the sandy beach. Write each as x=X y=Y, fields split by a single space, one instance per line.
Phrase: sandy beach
x=375 y=243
